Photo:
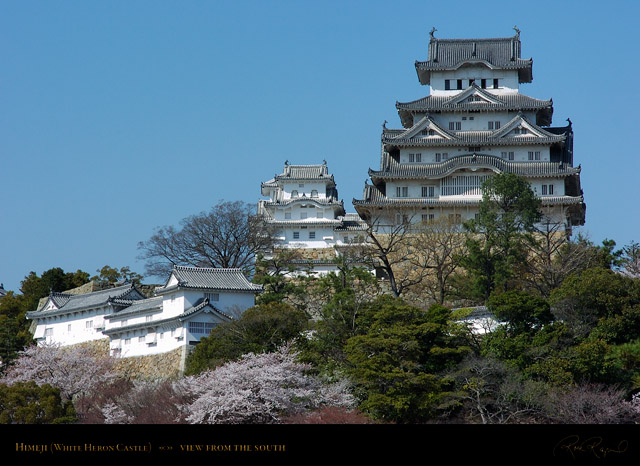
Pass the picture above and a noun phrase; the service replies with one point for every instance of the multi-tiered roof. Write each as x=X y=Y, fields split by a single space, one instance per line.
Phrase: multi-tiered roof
x=474 y=123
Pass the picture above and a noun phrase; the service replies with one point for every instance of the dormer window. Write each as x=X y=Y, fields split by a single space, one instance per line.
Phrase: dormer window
x=212 y=296
x=314 y=193
x=294 y=193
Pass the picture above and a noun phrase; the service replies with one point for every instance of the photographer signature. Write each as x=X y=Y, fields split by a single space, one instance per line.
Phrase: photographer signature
x=573 y=446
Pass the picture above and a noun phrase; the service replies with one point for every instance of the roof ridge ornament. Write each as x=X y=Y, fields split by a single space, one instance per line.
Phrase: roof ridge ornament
x=515 y=28
x=433 y=30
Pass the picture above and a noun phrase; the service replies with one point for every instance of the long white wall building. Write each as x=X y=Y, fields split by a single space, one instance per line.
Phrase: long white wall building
x=186 y=308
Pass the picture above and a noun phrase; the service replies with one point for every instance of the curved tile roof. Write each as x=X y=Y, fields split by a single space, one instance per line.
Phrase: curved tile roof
x=209 y=278
x=68 y=303
x=395 y=170
x=497 y=53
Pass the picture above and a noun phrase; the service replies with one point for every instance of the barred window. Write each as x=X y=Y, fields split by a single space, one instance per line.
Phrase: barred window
x=201 y=328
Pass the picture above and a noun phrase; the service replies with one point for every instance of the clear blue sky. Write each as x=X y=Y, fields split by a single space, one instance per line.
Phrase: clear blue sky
x=121 y=116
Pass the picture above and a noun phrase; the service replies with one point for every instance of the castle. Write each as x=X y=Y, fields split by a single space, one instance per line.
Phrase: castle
x=473 y=124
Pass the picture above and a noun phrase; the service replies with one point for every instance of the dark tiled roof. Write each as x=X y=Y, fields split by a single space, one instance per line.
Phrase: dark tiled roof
x=170 y=322
x=459 y=102
x=68 y=303
x=139 y=307
x=498 y=53
x=304 y=172
x=351 y=222
x=395 y=170
x=210 y=278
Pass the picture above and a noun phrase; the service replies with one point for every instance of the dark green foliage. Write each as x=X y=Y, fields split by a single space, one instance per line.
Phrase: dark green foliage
x=28 y=403
x=396 y=359
x=262 y=328
x=599 y=290
x=112 y=275
x=498 y=235
x=521 y=311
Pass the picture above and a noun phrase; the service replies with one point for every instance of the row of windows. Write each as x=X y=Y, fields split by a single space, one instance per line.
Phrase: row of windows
x=450 y=84
x=303 y=215
x=459 y=185
x=442 y=156
x=426 y=191
x=314 y=193
x=296 y=235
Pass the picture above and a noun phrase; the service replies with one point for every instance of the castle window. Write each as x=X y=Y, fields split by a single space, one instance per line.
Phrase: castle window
x=547 y=190
x=428 y=191
x=314 y=193
x=201 y=328
x=402 y=191
x=296 y=235
x=447 y=84
x=495 y=83
x=494 y=125
x=415 y=158
x=312 y=235
x=428 y=217
x=294 y=193
x=459 y=84
x=212 y=296
x=438 y=157
x=534 y=155
x=88 y=324
x=483 y=83
x=48 y=332
x=455 y=125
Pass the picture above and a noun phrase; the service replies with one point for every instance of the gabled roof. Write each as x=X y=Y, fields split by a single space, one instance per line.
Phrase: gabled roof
x=497 y=53
x=202 y=305
x=313 y=172
x=412 y=137
x=486 y=101
x=208 y=278
x=65 y=303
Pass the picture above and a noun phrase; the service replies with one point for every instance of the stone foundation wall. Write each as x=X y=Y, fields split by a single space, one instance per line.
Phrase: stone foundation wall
x=162 y=366
x=169 y=365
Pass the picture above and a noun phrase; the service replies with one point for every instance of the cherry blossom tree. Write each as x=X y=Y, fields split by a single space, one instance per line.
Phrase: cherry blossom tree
x=258 y=389
x=75 y=370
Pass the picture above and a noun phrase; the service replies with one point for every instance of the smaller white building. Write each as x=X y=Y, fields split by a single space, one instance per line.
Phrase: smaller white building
x=304 y=208
x=186 y=308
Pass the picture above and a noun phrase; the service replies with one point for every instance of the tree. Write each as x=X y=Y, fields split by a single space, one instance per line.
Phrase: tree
x=390 y=248
x=262 y=328
x=438 y=245
x=75 y=370
x=396 y=361
x=229 y=235
x=499 y=234
x=521 y=311
x=345 y=294
x=494 y=392
x=277 y=274
x=553 y=256
x=258 y=388
x=113 y=275
x=630 y=260
x=28 y=403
